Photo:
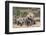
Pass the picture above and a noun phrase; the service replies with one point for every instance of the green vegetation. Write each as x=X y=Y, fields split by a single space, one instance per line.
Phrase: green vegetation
x=18 y=13
x=23 y=14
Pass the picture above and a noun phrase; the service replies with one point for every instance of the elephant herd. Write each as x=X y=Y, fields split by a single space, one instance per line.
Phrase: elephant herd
x=28 y=21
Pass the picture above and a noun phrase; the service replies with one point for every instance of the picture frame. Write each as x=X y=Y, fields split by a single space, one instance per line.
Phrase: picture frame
x=15 y=6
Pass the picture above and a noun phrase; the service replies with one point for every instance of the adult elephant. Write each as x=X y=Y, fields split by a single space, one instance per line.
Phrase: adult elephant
x=30 y=19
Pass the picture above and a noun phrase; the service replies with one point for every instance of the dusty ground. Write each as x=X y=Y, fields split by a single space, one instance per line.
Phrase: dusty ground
x=35 y=25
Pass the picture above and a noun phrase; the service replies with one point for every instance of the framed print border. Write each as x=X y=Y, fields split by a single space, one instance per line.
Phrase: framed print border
x=7 y=16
